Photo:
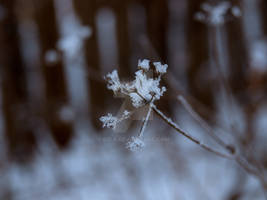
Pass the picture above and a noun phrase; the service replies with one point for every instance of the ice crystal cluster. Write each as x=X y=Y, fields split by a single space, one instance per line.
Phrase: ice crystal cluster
x=144 y=89
x=135 y=144
x=111 y=121
x=215 y=14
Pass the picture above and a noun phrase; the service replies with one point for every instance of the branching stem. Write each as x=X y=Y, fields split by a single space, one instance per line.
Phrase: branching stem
x=231 y=149
x=188 y=136
x=141 y=134
x=209 y=130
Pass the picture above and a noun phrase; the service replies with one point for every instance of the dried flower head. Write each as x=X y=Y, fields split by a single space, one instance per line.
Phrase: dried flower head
x=109 y=121
x=143 y=88
x=135 y=144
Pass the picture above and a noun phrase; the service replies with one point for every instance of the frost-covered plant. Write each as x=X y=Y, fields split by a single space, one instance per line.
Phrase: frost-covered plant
x=144 y=90
x=110 y=121
x=215 y=14
x=135 y=144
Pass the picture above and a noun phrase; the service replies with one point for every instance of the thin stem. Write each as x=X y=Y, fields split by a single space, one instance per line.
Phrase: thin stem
x=241 y=160
x=246 y=166
x=209 y=130
x=141 y=134
x=179 y=130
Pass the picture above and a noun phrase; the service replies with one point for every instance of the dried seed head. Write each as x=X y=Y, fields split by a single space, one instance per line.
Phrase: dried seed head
x=109 y=121
x=135 y=144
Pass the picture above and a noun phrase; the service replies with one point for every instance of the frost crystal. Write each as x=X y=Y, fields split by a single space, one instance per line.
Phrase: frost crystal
x=135 y=144
x=113 y=81
x=109 y=121
x=137 y=101
x=144 y=64
x=126 y=114
x=162 y=69
x=143 y=88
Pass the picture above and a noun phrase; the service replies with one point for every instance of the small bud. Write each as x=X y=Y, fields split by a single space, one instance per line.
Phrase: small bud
x=135 y=144
x=109 y=121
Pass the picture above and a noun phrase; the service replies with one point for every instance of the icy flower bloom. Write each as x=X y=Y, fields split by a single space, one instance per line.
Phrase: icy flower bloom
x=109 y=121
x=135 y=144
x=215 y=14
x=143 y=88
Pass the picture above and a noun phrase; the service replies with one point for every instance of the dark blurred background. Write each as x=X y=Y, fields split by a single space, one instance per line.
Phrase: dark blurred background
x=53 y=56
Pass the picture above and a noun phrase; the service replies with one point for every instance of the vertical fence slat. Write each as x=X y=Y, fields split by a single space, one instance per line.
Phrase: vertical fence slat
x=120 y=9
x=98 y=95
x=55 y=83
x=198 y=58
x=21 y=140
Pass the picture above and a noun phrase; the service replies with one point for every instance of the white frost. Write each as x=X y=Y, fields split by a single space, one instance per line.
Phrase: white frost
x=162 y=69
x=137 y=101
x=148 y=87
x=143 y=64
x=143 y=88
x=109 y=121
x=141 y=91
x=113 y=81
x=135 y=144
